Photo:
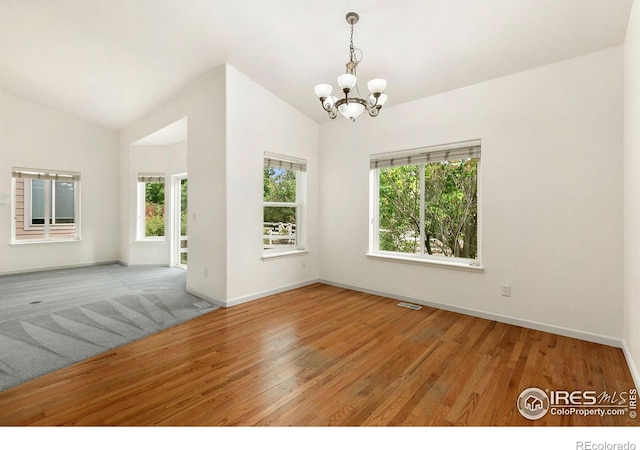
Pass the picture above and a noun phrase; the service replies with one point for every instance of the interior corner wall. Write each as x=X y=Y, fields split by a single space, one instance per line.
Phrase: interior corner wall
x=36 y=136
x=258 y=121
x=551 y=196
x=632 y=191
x=203 y=103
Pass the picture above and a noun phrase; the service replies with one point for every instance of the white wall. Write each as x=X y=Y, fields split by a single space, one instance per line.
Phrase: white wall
x=632 y=192
x=203 y=103
x=169 y=160
x=258 y=121
x=32 y=135
x=551 y=196
x=232 y=121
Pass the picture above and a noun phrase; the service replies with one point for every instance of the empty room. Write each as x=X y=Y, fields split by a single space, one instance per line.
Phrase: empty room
x=320 y=214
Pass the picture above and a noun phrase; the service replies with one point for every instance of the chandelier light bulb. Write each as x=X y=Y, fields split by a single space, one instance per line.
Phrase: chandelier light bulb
x=381 y=100
x=329 y=103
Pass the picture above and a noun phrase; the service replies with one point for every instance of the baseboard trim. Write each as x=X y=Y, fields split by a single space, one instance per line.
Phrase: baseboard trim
x=249 y=298
x=539 y=326
x=50 y=268
x=239 y=300
x=202 y=296
x=635 y=374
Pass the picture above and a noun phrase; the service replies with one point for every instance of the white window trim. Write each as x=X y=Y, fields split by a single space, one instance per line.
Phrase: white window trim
x=422 y=258
x=47 y=238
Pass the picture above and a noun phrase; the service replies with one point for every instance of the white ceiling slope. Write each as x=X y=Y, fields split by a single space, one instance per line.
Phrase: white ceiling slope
x=112 y=61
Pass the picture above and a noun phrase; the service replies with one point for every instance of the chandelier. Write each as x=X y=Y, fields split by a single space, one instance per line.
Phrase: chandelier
x=350 y=106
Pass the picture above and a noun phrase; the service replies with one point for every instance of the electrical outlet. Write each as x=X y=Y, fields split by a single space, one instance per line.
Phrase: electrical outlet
x=505 y=290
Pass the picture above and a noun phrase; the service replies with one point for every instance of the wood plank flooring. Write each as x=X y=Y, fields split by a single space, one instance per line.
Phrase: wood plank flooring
x=322 y=356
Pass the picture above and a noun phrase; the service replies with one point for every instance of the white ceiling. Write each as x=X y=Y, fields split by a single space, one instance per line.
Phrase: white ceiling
x=111 y=61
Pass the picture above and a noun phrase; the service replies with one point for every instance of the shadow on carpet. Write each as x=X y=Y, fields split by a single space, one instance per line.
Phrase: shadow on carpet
x=49 y=320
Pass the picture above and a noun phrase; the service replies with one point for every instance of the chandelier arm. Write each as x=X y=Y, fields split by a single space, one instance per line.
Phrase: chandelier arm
x=325 y=105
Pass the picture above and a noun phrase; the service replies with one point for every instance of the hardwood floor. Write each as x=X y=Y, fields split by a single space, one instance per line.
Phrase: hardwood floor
x=321 y=356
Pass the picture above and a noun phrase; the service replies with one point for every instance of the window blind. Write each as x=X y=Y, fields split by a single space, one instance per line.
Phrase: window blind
x=151 y=178
x=425 y=155
x=37 y=174
x=284 y=162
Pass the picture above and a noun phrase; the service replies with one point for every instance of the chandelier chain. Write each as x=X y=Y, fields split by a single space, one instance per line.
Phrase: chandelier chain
x=352 y=66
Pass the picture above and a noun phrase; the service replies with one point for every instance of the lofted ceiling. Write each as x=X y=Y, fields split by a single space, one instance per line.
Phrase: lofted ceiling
x=112 y=61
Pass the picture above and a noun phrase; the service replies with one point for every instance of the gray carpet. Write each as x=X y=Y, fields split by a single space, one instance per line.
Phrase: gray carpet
x=49 y=320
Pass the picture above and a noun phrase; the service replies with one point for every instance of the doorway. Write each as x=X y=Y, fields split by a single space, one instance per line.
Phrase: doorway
x=179 y=235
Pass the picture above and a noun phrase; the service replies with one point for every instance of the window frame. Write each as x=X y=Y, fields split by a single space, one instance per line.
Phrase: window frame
x=299 y=166
x=27 y=175
x=374 y=207
x=141 y=205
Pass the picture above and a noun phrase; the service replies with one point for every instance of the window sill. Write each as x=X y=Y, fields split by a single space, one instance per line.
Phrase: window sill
x=34 y=242
x=428 y=261
x=283 y=254
x=151 y=239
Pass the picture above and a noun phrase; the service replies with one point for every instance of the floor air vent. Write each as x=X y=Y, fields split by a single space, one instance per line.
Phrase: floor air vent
x=409 y=305
x=203 y=305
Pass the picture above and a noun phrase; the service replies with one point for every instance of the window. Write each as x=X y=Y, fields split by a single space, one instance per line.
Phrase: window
x=283 y=204
x=425 y=203
x=151 y=208
x=46 y=205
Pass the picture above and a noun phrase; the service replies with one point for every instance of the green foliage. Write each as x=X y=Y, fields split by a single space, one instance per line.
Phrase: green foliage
x=279 y=186
x=277 y=214
x=154 y=193
x=154 y=220
x=400 y=209
x=154 y=209
x=450 y=215
x=184 y=188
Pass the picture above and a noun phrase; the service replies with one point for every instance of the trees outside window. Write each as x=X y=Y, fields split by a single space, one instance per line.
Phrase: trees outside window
x=428 y=209
x=151 y=206
x=154 y=209
x=283 y=200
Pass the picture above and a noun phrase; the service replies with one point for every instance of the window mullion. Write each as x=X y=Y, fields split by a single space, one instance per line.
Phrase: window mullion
x=53 y=202
x=47 y=207
x=76 y=206
x=375 y=211
x=422 y=213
